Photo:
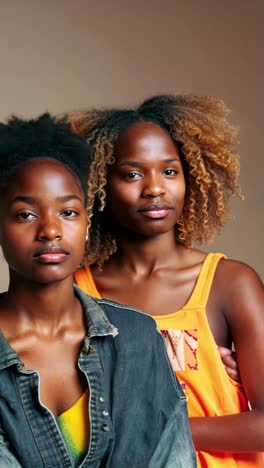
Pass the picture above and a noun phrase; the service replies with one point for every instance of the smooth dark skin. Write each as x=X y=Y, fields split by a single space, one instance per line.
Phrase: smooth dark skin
x=40 y=316
x=152 y=272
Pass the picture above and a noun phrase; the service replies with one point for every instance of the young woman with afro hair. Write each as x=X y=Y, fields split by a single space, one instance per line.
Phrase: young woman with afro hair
x=160 y=182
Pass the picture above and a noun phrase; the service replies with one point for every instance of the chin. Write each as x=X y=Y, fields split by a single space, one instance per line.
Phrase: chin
x=45 y=282
x=157 y=231
x=158 y=227
x=50 y=277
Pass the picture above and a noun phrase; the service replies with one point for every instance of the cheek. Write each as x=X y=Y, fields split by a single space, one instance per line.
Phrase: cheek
x=177 y=190
x=73 y=232
x=126 y=195
x=12 y=237
x=183 y=192
x=15 y=250
x=180 y=190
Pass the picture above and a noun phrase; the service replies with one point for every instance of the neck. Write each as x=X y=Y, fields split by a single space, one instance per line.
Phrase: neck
x=43 y=307
x=148 y=254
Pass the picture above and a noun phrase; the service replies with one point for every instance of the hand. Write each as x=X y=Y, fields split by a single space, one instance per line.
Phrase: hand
x=230 y=362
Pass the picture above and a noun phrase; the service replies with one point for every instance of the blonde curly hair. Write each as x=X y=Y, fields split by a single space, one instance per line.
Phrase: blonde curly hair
x=198 y=126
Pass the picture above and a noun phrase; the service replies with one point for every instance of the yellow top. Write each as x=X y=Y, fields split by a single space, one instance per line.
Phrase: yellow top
x=74 y=427
x=195 y=358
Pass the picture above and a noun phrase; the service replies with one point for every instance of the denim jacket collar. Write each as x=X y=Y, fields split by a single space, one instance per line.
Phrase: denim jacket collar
x=96 y=320
x=97 y=324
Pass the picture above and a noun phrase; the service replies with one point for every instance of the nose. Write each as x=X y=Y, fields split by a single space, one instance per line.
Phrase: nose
x=49 y=229
x=154 y=186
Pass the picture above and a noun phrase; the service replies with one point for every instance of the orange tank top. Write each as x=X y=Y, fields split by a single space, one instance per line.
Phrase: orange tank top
x=195 y=359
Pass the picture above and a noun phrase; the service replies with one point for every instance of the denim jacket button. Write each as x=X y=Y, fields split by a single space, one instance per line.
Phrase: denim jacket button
x=105 y=413
x=106 y=428
x=101 y=399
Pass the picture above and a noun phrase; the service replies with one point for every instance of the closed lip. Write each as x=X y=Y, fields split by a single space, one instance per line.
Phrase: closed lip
x=155 y=208
x=50 y=251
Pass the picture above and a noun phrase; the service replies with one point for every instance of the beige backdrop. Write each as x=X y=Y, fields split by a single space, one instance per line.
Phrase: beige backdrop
x=58 y=55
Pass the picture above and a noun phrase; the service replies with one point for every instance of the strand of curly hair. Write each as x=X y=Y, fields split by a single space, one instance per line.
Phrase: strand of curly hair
x=199 y=127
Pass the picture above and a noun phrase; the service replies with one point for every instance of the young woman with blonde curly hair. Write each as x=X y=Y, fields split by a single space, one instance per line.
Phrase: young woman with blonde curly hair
x=161 y=179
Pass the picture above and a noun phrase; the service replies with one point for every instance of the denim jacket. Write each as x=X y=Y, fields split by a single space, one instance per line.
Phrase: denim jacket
x=138 y=415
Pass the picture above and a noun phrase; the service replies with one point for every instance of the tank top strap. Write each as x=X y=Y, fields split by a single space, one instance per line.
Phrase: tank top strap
x=83 y=278
x=80 y=277
x=203 y=285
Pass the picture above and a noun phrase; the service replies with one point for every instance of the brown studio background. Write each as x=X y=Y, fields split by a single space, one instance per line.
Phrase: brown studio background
x=60 y=55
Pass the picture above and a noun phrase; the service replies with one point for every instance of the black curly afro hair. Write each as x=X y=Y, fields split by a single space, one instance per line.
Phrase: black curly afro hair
x=23 y=140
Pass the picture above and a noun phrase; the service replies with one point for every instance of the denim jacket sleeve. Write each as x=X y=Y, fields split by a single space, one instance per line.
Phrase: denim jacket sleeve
x=7 y=459
x=175 y=448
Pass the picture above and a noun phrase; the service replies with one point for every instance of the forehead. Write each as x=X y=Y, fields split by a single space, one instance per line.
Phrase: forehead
x=145 y=138
x=43 y=174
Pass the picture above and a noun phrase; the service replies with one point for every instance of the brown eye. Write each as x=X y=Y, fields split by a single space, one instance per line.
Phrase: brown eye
x=25 y=216
x=132 y=176
x=170 y=172
x=70 y=213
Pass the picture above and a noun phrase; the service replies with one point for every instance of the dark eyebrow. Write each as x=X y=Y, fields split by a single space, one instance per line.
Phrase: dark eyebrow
x=29 y=200
x=138 y=164
x=32 y=200
x=66 y=198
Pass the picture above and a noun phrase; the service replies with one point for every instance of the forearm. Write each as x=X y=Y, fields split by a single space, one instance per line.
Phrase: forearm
x=243 y=432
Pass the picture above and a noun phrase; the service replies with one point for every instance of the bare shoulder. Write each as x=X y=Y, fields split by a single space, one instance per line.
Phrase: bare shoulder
x=235 y=274
x=238 y=288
